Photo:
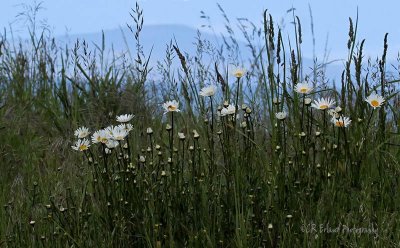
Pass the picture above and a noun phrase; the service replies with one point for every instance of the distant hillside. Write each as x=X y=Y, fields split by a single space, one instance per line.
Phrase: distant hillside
x=157 y=36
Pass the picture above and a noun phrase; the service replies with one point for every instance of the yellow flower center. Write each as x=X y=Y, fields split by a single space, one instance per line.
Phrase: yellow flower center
x=171 y=108
x=323 y=106
x=103 y=140
x=83 y=147
x=339 y=123
x=238 y=74
x=303 y=90
x=375 y=103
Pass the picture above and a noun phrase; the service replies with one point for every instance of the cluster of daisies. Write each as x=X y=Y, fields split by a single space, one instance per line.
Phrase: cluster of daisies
x=110 y=136
x=209 y=91
x=327 y=104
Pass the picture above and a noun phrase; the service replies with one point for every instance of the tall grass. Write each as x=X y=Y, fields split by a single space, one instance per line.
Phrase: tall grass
x=204 y=176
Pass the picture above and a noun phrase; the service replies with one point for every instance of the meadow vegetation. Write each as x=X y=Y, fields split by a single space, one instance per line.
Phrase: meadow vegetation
x=219 y=151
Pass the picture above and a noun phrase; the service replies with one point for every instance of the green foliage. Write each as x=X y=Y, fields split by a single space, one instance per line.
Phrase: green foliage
x=245 y=179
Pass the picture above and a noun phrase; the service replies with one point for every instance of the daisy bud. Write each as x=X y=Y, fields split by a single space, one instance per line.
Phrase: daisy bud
x=317 y=134
x=181 y=136
x=244 y=107
x=270 y=226
x=307 y=101
x=248 y=110
x=338 y=109
x=281 y=115
x=149 y=130
x=158 y=147
x=243 y=124
x=142 y=159
x=196 y=134
x=168 y=127
x=163 y=173
x=226 y=104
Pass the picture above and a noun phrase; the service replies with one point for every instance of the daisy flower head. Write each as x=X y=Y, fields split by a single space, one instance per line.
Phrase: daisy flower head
x=341 y=121
x=323 y=103
x=238 y=72
x=111 y=144
x=81 y=145
x=101 y=136
x=208 y=90
x=333 y=113
x=82 y=132
x=307 y=101
x=119 y=132
x=230 y=110
x=125 y=118
x=375 y=100
x=128 y=127
x=171 y=106
x=281 y=115
x=303 y=88
x=181 y=136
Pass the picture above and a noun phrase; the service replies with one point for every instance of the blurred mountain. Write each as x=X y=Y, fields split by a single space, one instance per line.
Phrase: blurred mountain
x=156 y=37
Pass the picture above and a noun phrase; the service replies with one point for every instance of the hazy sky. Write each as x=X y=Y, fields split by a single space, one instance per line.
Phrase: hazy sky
x=330 y=17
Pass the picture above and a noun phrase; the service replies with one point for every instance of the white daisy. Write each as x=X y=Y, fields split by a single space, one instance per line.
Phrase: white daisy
x=303 y=88
x=323 y=103
x=171 y=106
x=111 y=144
x=208 y=90
x=101 y=136
x=81 y=145
x=195 y=134
x=307 y=101
x=375 y=100
x=238 y=72
x=281 y=115
x=125 y=118
x=181 y=136
x=341 y=121
x=230 y=110
x=82 y=132
x=119 y=132
x=128 y=127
